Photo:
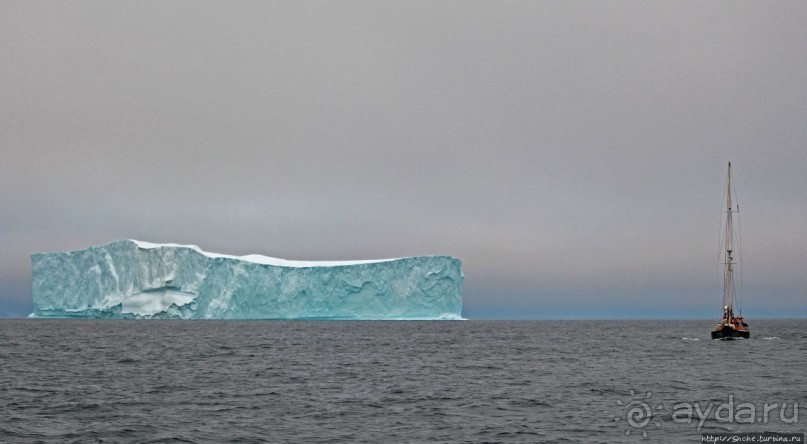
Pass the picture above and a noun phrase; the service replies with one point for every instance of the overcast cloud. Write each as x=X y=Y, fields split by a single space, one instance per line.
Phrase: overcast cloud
x=572 y=154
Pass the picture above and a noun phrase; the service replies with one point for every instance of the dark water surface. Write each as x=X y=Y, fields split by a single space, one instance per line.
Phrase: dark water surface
x=472 y=381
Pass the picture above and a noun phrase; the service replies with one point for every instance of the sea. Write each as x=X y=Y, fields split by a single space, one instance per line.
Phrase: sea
x=158 y=381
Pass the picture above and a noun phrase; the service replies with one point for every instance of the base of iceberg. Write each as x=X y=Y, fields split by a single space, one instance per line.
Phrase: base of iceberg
x=141 y=280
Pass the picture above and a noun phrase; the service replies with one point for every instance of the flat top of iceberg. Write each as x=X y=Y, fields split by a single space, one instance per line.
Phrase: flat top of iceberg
x=260 y=259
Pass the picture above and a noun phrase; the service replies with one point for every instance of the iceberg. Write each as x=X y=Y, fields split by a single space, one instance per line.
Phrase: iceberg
x=141 y=280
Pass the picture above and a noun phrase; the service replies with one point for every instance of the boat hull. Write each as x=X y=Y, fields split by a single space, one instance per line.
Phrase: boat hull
x=730 y=333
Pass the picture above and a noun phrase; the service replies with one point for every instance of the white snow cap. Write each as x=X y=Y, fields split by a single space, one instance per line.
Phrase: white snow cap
x=260 y=259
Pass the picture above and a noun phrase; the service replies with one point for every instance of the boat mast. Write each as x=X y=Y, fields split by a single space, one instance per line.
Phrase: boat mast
x=728 y=284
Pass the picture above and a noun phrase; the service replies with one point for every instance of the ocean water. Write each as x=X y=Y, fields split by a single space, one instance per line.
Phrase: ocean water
x=378 y=382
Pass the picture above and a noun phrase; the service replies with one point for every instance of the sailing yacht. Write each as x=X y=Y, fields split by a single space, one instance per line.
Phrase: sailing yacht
x=731 y=326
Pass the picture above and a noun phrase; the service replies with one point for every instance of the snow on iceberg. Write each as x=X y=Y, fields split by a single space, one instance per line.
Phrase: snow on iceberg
x=134 y=279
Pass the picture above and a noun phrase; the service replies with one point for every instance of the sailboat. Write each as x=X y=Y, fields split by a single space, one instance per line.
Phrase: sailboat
x=731 y=326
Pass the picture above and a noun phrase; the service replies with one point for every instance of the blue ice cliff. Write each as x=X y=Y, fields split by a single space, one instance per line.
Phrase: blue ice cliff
x=133 y=279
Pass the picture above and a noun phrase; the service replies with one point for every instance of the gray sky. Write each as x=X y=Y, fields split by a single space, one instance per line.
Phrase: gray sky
x=572 y=154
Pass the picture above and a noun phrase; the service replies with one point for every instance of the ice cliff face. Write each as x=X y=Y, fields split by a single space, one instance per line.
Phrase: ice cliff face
x=132 y=279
